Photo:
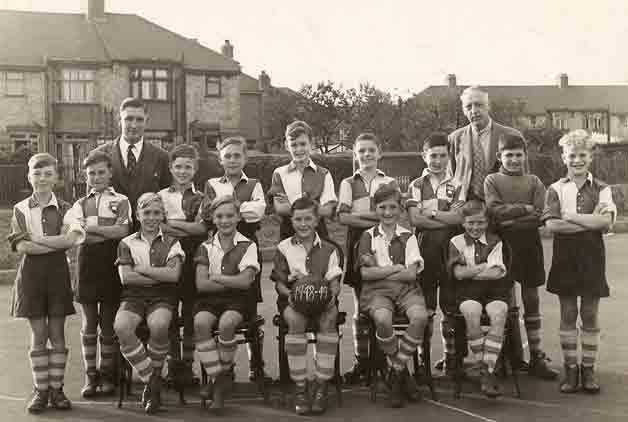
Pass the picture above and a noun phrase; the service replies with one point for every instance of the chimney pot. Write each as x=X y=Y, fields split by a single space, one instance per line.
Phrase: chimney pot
x=227 y=49
x=563 y=80
x=264 y=81
x=94 y=10
x=451 y=80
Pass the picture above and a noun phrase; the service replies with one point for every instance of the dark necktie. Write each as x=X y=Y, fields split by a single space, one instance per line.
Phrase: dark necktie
x=478 y=166
x=131 y=162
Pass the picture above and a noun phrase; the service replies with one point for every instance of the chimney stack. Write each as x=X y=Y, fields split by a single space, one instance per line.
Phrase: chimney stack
x=227 y=49
x=94 y=10
x=264 y=81
x=563 y=79
x=451 y=80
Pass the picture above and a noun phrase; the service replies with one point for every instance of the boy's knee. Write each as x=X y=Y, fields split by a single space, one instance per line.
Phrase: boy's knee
x=124 y=327
x=229 y=322
x=295 y=321
x=471 y=308
x=159 y=326
x=417 y=315
x=382 y=317
x=327 y=321
x=497 y=310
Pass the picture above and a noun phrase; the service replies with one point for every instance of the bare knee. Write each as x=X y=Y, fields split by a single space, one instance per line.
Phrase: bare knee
x=383 y=319
x=89 y=323
x=568 y=313
x=159 y=324
x=327 y=321
x=530 y=297
x=124 y=327
x=228 y=324
x=39 y=334
x=497 y=311
x=417 y=315
x=296 y=322
x=589 y=314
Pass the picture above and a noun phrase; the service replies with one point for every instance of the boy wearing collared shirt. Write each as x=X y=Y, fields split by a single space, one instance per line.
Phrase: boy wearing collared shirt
x=183 y=204
x=356 y=210
x=306 y=256
x=106 y=217
x=226 y=266
x=432 y=208
x=42 y=291
x=578 y=209
x=389 y=262
x=476 y=262
x=249 y=194
x=149 y=263
x=301 y=177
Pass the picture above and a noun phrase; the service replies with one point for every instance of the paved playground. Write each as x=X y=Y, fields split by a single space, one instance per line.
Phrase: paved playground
x=540 y=401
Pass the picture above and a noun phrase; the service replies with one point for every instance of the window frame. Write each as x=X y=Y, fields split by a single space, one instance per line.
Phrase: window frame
x=61 y=82
x=4 y=83
x=136 y=77
x=217 y=81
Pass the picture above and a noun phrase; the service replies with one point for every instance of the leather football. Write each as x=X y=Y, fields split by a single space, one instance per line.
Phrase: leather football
x=310 y=296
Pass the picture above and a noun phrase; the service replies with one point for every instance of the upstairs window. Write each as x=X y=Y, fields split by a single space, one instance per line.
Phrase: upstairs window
x=213 y=86
x=150 y=84
x=12 y=84
x=77 y=86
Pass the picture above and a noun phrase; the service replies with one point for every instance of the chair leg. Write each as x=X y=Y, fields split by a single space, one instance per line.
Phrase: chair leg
x=204 y=381
x=373 y=369
x=256 y=351
x=460 y=347
x=121 y=380
x=426 y=357
x=512 y=356
x=337 y=376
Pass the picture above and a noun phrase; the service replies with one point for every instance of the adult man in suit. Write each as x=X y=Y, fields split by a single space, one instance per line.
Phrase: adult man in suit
x=137 y=166
x=474 y=147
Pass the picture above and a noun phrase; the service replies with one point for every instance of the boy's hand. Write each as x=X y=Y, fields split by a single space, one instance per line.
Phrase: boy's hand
x=530 y=209
x=601 y=208
x=399 y=267
x=569 y=216
x=295 y=276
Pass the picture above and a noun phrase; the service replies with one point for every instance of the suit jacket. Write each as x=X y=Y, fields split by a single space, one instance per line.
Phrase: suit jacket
x=151 y=174
x=461 y=155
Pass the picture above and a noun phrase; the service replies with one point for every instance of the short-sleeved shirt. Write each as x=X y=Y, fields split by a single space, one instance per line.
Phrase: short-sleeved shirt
x=32 y=218
x=248 y=191
x=291 y=258
x=465 y=250
x=315 y=182
x=210 y=253
x=136 y=250
x=356 y=195
x=427 y=194
x=183 y=206
x=110 y=208
x=403 y=249
x=564 y=196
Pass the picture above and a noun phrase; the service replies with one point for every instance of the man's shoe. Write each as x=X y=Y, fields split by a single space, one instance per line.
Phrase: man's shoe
x=570 y=383
x=590 y=383
x=38 y=402
x=107 y=384
x=205 y=391
x=301 y=401
x=90 y=388
x=319 y=401
x=395 y=383
x=218 y=403
x=539 y=367
x=358 y=374
x=410 y=387
x=58 y=400
x=491 y=386
x=154 y=399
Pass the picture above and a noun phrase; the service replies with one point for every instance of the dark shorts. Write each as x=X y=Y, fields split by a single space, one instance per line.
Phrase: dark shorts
x=218 y=306
x=526 y=251
x=484 y=291
x=353 y=277
x=434 y=275
x=42 y=287
x=146 y=306
x=98 y=278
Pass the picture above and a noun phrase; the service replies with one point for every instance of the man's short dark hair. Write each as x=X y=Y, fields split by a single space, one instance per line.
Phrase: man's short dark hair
x=132 y=102
x=304 y=203
x=386 y=192
x=511 y=141
x=95 y=157
x=436 y=139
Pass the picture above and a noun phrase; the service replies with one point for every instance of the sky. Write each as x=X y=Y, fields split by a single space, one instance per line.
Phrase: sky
x=399 y=46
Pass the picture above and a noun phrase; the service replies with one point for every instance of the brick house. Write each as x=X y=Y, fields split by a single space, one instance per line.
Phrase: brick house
x=62 y=80
x=600 y=109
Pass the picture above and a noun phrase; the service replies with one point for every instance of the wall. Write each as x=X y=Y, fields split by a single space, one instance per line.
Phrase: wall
x=224 y=109
x=26 y=110
x=250 y=116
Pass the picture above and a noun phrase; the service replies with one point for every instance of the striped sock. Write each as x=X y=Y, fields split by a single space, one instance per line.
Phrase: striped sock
x=476 y=344
x=89 y=348
x=390 y=347
x=590 y=341
x=449 y=344
x=208 y=355
x=492 y=347
x=107 y=353
x=39 y=368
x=296 y=349
x=533 y=331
x=325 y=355
x=158 y=352
x=138 y=358
x=227 y=350
x=569 y=346
x=361 y=338
x=407 y=347
x=56 y=367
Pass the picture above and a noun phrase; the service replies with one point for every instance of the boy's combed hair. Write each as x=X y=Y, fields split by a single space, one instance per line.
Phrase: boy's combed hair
x=132 y=102
x=386 y=192
x=305 y=203
x=367 y=136
x=95 y=157
x=224 y=200
x=436 y=139
x=232 y=140
x=298 y=128
x=511 y=141
x=474 y=208
x=42 y=159
x=149 y=198
x=578 y=138
x=184 y=151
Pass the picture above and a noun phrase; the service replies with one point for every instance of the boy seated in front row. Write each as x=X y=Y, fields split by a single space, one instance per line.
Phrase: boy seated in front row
x=226 y=266
x=149 y=263
x=475 y=258
x=307 y=261
x=389 y=261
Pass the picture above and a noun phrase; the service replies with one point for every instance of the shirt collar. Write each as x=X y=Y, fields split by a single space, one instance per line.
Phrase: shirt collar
x=34 y=203
x=296 y=241
x=110 y=190
x=379 y=231
x=488 y=128
x=567 y=179
x=426 y=173
x=470 y=241
x=160 y=234
x=124 y=145
x=292 y=166
x=172 y=188
x=237 y=238
x=358 y=173
x=224 y=178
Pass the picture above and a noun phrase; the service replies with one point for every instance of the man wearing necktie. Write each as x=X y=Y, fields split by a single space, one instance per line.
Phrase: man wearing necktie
x=137 y=166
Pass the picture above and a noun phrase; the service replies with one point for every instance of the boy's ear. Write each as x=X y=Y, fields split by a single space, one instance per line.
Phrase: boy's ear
x=499 y=156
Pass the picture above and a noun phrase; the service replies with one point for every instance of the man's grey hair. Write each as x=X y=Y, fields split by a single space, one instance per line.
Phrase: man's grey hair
x=474 y=88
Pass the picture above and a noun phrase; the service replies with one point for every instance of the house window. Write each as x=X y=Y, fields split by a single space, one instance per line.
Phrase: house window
x=585 y=122
x=150 y=84
x=597 y=123
x=14 y=84
x=25 y=139
x=213 y=86
x=77 y=86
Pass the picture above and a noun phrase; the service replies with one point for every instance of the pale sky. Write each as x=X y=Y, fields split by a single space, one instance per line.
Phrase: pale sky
x=400 y=46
